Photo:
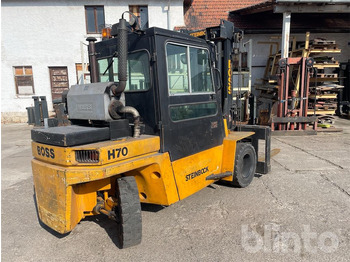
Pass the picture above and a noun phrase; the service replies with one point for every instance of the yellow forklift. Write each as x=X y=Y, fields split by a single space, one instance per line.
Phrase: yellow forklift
x=154 y=126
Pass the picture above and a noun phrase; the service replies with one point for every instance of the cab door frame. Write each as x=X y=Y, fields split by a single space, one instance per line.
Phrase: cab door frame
x=186 y=137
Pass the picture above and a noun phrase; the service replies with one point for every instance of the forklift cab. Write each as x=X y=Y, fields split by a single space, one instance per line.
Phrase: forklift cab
x=171 y=84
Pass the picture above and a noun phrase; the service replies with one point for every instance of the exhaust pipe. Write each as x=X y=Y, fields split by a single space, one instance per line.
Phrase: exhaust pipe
x=92 y=59
x=122 y=48
x=136 y=116
x=117 y=106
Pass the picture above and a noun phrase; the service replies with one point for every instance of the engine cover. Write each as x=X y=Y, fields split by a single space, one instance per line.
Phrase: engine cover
x=89 y=101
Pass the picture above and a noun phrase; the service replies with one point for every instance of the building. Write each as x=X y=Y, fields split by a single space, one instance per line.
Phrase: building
x=44 y=44
x=262 y=22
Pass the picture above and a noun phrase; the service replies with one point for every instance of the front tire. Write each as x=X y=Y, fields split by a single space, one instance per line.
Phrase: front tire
x=245 y=165
x=128 y=212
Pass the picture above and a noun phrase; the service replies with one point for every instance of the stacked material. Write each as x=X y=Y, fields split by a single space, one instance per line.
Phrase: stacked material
x=323 y=88
x=323 y=83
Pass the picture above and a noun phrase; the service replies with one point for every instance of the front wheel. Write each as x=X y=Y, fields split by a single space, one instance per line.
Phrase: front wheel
x=245 y=165
x=128 y=212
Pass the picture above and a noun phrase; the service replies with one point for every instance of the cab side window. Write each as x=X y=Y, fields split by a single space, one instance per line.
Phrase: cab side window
x=200 y=71
x=177 y=69
x=189 y=74
x=188 y=70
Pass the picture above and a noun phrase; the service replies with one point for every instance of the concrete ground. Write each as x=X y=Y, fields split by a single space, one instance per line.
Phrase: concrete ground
x=298 y=212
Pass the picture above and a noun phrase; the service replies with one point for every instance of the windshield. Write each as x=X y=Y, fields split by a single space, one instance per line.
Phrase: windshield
x=137 y=71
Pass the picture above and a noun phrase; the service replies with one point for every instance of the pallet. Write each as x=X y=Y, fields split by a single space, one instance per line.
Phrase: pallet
x=325 y=108
x=321 y=112
x=325 y=51
x=330 y=87
x=324 y=79
x=324 y=47
x=325 y=59
x=324 y=75
x=323 y=66
x=328 y=104
x=322 y=41
x=323 y=96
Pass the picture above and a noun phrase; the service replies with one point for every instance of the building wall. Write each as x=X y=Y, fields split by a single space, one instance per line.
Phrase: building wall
x=261 y=51
x=45 y=34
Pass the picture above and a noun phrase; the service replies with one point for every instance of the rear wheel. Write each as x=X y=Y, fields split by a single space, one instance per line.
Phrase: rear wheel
x=245 y=165
x=128 y=212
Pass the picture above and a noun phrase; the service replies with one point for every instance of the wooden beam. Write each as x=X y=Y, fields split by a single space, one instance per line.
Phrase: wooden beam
x=313 y=8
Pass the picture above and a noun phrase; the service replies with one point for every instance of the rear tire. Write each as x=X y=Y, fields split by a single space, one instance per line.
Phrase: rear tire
x=245 y=165
x=128 y=212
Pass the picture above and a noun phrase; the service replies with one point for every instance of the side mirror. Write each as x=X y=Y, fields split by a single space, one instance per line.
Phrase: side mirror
x=183 y=59
x=202 y=59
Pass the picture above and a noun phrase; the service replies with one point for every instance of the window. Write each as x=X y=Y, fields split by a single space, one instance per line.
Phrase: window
x=95 y=19
x=24 y=80
x=177 y=69
x=189 y=74
x=137 y=71
x=190 y=111
x=188 y=70
x=142 y=14
x=201 y=80
x=82 y=73
x=104 y=70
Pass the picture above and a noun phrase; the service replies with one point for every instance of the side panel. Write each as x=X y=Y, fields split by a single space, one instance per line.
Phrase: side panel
x=156 y=183
x=53 y=197
x=190 y=172
x=109 y=151
x=61 y=206
x=228 y=156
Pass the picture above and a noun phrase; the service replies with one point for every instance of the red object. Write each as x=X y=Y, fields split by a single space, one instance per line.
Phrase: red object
x=206 y=13
x=292 y=104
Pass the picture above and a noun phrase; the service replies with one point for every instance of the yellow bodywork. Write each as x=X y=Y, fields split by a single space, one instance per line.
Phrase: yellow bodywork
x=66 y=190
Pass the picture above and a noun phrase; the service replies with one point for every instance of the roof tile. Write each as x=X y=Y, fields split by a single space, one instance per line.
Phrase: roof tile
x=207 y=13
